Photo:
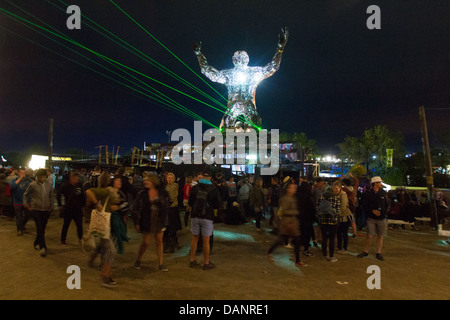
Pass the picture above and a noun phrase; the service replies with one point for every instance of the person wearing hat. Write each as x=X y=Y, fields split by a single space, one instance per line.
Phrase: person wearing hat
x=377 y=207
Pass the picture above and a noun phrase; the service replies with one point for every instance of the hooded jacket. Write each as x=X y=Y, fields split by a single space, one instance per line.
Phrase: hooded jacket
x=39 y=196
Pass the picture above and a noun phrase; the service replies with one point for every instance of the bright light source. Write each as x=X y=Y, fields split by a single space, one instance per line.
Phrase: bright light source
x=374 y=157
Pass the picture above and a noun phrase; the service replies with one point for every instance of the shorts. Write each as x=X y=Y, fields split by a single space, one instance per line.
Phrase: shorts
x=204 y=227
x=376 y=227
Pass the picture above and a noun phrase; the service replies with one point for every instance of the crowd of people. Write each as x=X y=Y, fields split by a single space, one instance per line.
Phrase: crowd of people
x=301 y=213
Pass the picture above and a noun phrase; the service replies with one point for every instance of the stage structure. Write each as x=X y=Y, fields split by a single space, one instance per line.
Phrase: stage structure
x=241 y=82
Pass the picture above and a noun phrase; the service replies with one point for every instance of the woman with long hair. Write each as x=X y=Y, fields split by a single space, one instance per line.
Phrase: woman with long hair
x=151 y=213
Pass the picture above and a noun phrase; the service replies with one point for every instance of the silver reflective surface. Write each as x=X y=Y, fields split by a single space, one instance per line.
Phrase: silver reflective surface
x=241 y=82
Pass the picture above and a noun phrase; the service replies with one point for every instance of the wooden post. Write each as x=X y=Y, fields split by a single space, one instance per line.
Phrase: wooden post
x=99 y=153
x=428 y=166
x=117 y=155
x=50 y=143
x=106 y=154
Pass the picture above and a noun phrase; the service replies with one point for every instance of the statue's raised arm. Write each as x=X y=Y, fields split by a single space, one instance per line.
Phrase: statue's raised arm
x=212 y=73
x=274 y=65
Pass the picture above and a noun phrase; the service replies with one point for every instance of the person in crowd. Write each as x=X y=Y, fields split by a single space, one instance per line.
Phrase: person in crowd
x=186 y=191
x=273 y=200
x=345 y=217
x=307 y=215
x=18 y=187
x=327 y=215
x=39 y=199
x=289 y=223
x=377 y=208
x=203 y=200
x=170 y=235
x=221 y=185
x=232 y=192
x=118 y=216
x=257 y=201
x=74 y=201
x=243 y=198
x=6 y=207
x=350 y=187
x=97 y=198
x=151 y=211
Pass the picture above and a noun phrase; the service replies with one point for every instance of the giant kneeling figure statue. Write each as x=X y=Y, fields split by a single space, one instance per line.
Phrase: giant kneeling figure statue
x=242 y=82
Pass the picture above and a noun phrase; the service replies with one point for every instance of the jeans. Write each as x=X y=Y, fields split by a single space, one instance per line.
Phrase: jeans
x=40 y=219
x=307 y=232
x=75 y=215
x=342 y=235
x=328 y=235
x=21 y=217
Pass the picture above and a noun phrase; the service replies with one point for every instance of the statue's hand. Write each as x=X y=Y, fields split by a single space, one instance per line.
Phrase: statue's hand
x=283 y=37
x=197 y=47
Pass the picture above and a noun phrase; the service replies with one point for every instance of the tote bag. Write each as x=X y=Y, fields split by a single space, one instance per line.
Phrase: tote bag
x=100 y=225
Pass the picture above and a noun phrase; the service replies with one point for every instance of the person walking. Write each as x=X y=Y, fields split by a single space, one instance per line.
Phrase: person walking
x=273 y=200
x=203 y=200
x=307 y=216
x=174 y=225
x=18 y=187
x=74 y=201
x=39 y=199
x=257 y=201
x=97 y=198
x=151 y=212
x=289 y=223
x=377 y=206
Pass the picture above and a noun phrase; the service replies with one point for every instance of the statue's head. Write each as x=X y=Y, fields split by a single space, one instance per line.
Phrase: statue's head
x=240 y=59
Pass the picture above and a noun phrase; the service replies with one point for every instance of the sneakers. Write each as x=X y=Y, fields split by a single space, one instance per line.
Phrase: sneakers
x=288 y=246
x=300 y=264
x=342 y=251
x=162 y=267
x=43 y=252
x=109 y=283
x=307 y=253
x=379 y=257
x=209 y=266
x=329 y=259
x=193 y=264
x=362 y=254
x=137 y=265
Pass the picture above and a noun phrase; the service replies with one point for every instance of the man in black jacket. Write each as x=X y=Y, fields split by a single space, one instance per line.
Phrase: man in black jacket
x=377 y=205
x=75 y=200
x=204 y=199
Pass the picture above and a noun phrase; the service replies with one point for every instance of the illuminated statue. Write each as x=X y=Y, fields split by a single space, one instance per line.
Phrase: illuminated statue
x=242 y=82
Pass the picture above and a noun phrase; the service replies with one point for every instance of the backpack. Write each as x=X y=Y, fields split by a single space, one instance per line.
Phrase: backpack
x=325 y=208
x=201 y=203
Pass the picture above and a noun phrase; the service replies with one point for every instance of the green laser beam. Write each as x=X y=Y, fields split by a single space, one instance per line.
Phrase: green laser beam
x=106 y=58
x=179 y=108
x=173 y=103
x=91 y=69
x=141 y=55
x=167 y=49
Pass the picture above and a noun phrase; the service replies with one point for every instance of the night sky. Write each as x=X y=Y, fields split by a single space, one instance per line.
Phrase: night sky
x=337 y=77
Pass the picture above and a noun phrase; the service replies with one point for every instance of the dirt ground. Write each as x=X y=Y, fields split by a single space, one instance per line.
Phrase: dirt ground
x=415 y=267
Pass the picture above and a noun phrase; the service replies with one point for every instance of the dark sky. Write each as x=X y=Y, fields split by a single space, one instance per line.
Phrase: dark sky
x=337 y=77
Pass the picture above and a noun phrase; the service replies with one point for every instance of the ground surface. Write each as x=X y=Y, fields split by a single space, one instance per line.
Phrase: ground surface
x=415 y=267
